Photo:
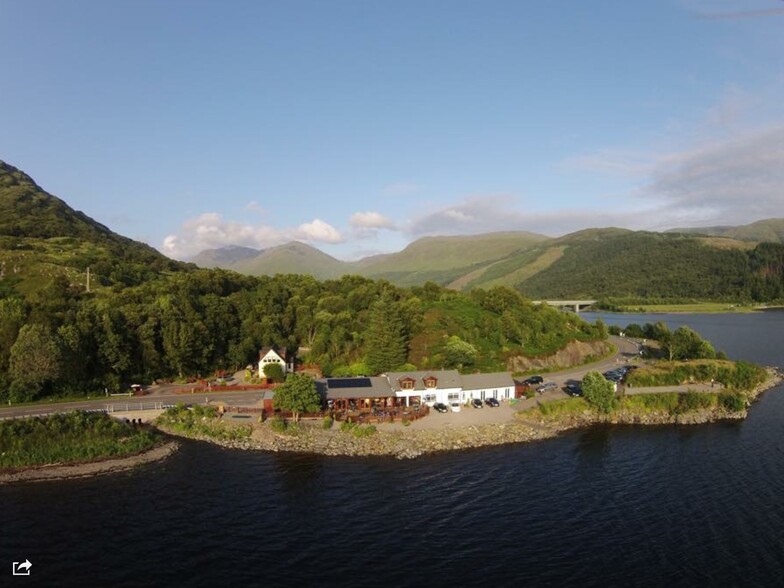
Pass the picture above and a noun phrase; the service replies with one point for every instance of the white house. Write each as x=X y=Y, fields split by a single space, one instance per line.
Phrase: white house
x=269 y=355
x=499 y=385
x=427 y=387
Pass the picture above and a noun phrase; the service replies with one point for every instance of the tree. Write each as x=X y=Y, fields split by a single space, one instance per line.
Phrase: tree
x=599 y=392
x=459 y=353
x=687 y=344
x=386 y=344
x=297 y=394
x=35 y=362
x=273 y=372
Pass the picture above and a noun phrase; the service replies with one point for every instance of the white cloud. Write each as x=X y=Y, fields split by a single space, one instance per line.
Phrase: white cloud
x=370 y=220
x=211 y=231
x=319 y=231
x=477 y=214
x=733 y=182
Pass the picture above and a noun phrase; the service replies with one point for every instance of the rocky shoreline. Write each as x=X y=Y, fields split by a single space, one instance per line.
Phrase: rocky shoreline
x=56 y=472
x=409 y=444
x=400 y=443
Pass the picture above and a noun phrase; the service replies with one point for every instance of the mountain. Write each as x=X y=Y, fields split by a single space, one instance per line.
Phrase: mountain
x=447 y=259
x=765 y=231
x=438 y=259
x=42 y=237
x=293 y=257
x=224 y=256
x=592 y=263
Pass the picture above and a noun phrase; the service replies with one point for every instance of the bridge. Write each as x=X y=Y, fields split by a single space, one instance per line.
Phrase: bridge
x=577 y=305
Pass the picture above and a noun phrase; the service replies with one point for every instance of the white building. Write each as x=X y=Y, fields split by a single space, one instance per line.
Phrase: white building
x=498 y=385
x=428 y=387
x=269 y=355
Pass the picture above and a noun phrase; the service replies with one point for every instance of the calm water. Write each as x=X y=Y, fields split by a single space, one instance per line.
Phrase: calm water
x=621 y=506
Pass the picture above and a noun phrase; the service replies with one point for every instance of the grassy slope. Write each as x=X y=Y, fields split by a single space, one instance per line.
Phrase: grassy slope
x=292 y=257
x=41 y=237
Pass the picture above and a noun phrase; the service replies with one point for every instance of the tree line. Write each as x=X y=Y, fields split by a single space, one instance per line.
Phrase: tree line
x=63 y=340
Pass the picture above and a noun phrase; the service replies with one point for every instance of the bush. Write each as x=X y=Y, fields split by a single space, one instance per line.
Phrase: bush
x=278 y=424
x=732 y=401
x=689 y=401
x=364 y=431
x=347 y=425
x=599 y=392
x=327 y=422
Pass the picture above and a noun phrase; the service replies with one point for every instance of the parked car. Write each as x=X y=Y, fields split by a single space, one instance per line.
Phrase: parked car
x=546 y=386
x=476 y=403
x=455 y=406
x=491 y=402
x=533 y=380
x=573 y=389
x=440 y=407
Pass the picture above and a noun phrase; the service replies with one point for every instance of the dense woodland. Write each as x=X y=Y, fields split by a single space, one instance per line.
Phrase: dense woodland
x=62 y=339
x=662 y=266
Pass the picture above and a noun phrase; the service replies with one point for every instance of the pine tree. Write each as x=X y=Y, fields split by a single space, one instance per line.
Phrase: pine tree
x=386 y=342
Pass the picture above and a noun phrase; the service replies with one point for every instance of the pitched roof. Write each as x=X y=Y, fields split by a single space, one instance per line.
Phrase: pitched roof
x=265 y=350
x=334 y=388
x=484 y=381
x=445 y=379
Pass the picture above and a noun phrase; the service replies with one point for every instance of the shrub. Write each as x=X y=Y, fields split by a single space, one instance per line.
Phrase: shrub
x=363 y=431
x=689 y=401
x=278 y=424
x=599 y=392
x=347 y=425
x=327 y=422
x=732 y=401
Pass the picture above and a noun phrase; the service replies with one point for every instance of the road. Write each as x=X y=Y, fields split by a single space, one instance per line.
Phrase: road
x=627 y=349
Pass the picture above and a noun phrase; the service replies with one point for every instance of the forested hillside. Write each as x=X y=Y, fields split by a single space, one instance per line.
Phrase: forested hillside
x=146 y=317
x=659 y=266
x=64 y=340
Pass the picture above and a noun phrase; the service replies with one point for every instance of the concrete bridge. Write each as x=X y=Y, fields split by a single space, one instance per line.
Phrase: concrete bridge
x=577 y=305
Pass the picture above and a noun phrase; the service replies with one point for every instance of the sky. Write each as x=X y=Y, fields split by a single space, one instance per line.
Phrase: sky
x=358 y=126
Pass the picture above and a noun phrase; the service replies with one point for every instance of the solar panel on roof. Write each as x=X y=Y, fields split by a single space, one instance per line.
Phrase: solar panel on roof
x=338 y=383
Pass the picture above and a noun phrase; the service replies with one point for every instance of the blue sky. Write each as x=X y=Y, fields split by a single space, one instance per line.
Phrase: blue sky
x=359 y=126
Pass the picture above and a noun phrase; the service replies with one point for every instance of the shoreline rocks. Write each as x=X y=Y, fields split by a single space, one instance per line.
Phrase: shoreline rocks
x=410 y=444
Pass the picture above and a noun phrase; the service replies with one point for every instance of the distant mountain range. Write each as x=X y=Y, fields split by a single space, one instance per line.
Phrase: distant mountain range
x=536 y=264
x=41 y=237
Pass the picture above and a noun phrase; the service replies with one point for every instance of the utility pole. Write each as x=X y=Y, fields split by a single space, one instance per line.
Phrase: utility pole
x=88 y=279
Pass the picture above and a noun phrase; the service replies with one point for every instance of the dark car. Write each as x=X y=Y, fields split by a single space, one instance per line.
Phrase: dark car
x=476 y=403
x=573 y=389
x=492 y=402
x=533 y=380
x=440 y=407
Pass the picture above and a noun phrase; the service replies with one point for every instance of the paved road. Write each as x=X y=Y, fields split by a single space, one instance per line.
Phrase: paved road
x=120 y=403
x=627 y=350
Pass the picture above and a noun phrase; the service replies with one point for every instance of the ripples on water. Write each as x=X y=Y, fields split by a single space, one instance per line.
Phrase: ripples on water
x=609 y=506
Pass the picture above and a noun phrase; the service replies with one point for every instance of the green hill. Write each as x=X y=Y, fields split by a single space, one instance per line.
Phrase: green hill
x=224 y=256
x=643 y=265
x=765 y=231
x=292 y=258
x=42 y=237
x=446 y=259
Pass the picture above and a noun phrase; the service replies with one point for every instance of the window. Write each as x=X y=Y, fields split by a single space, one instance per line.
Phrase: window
x=454 y=396
x=431 y=382
x=429 y=397
x=407 y=384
